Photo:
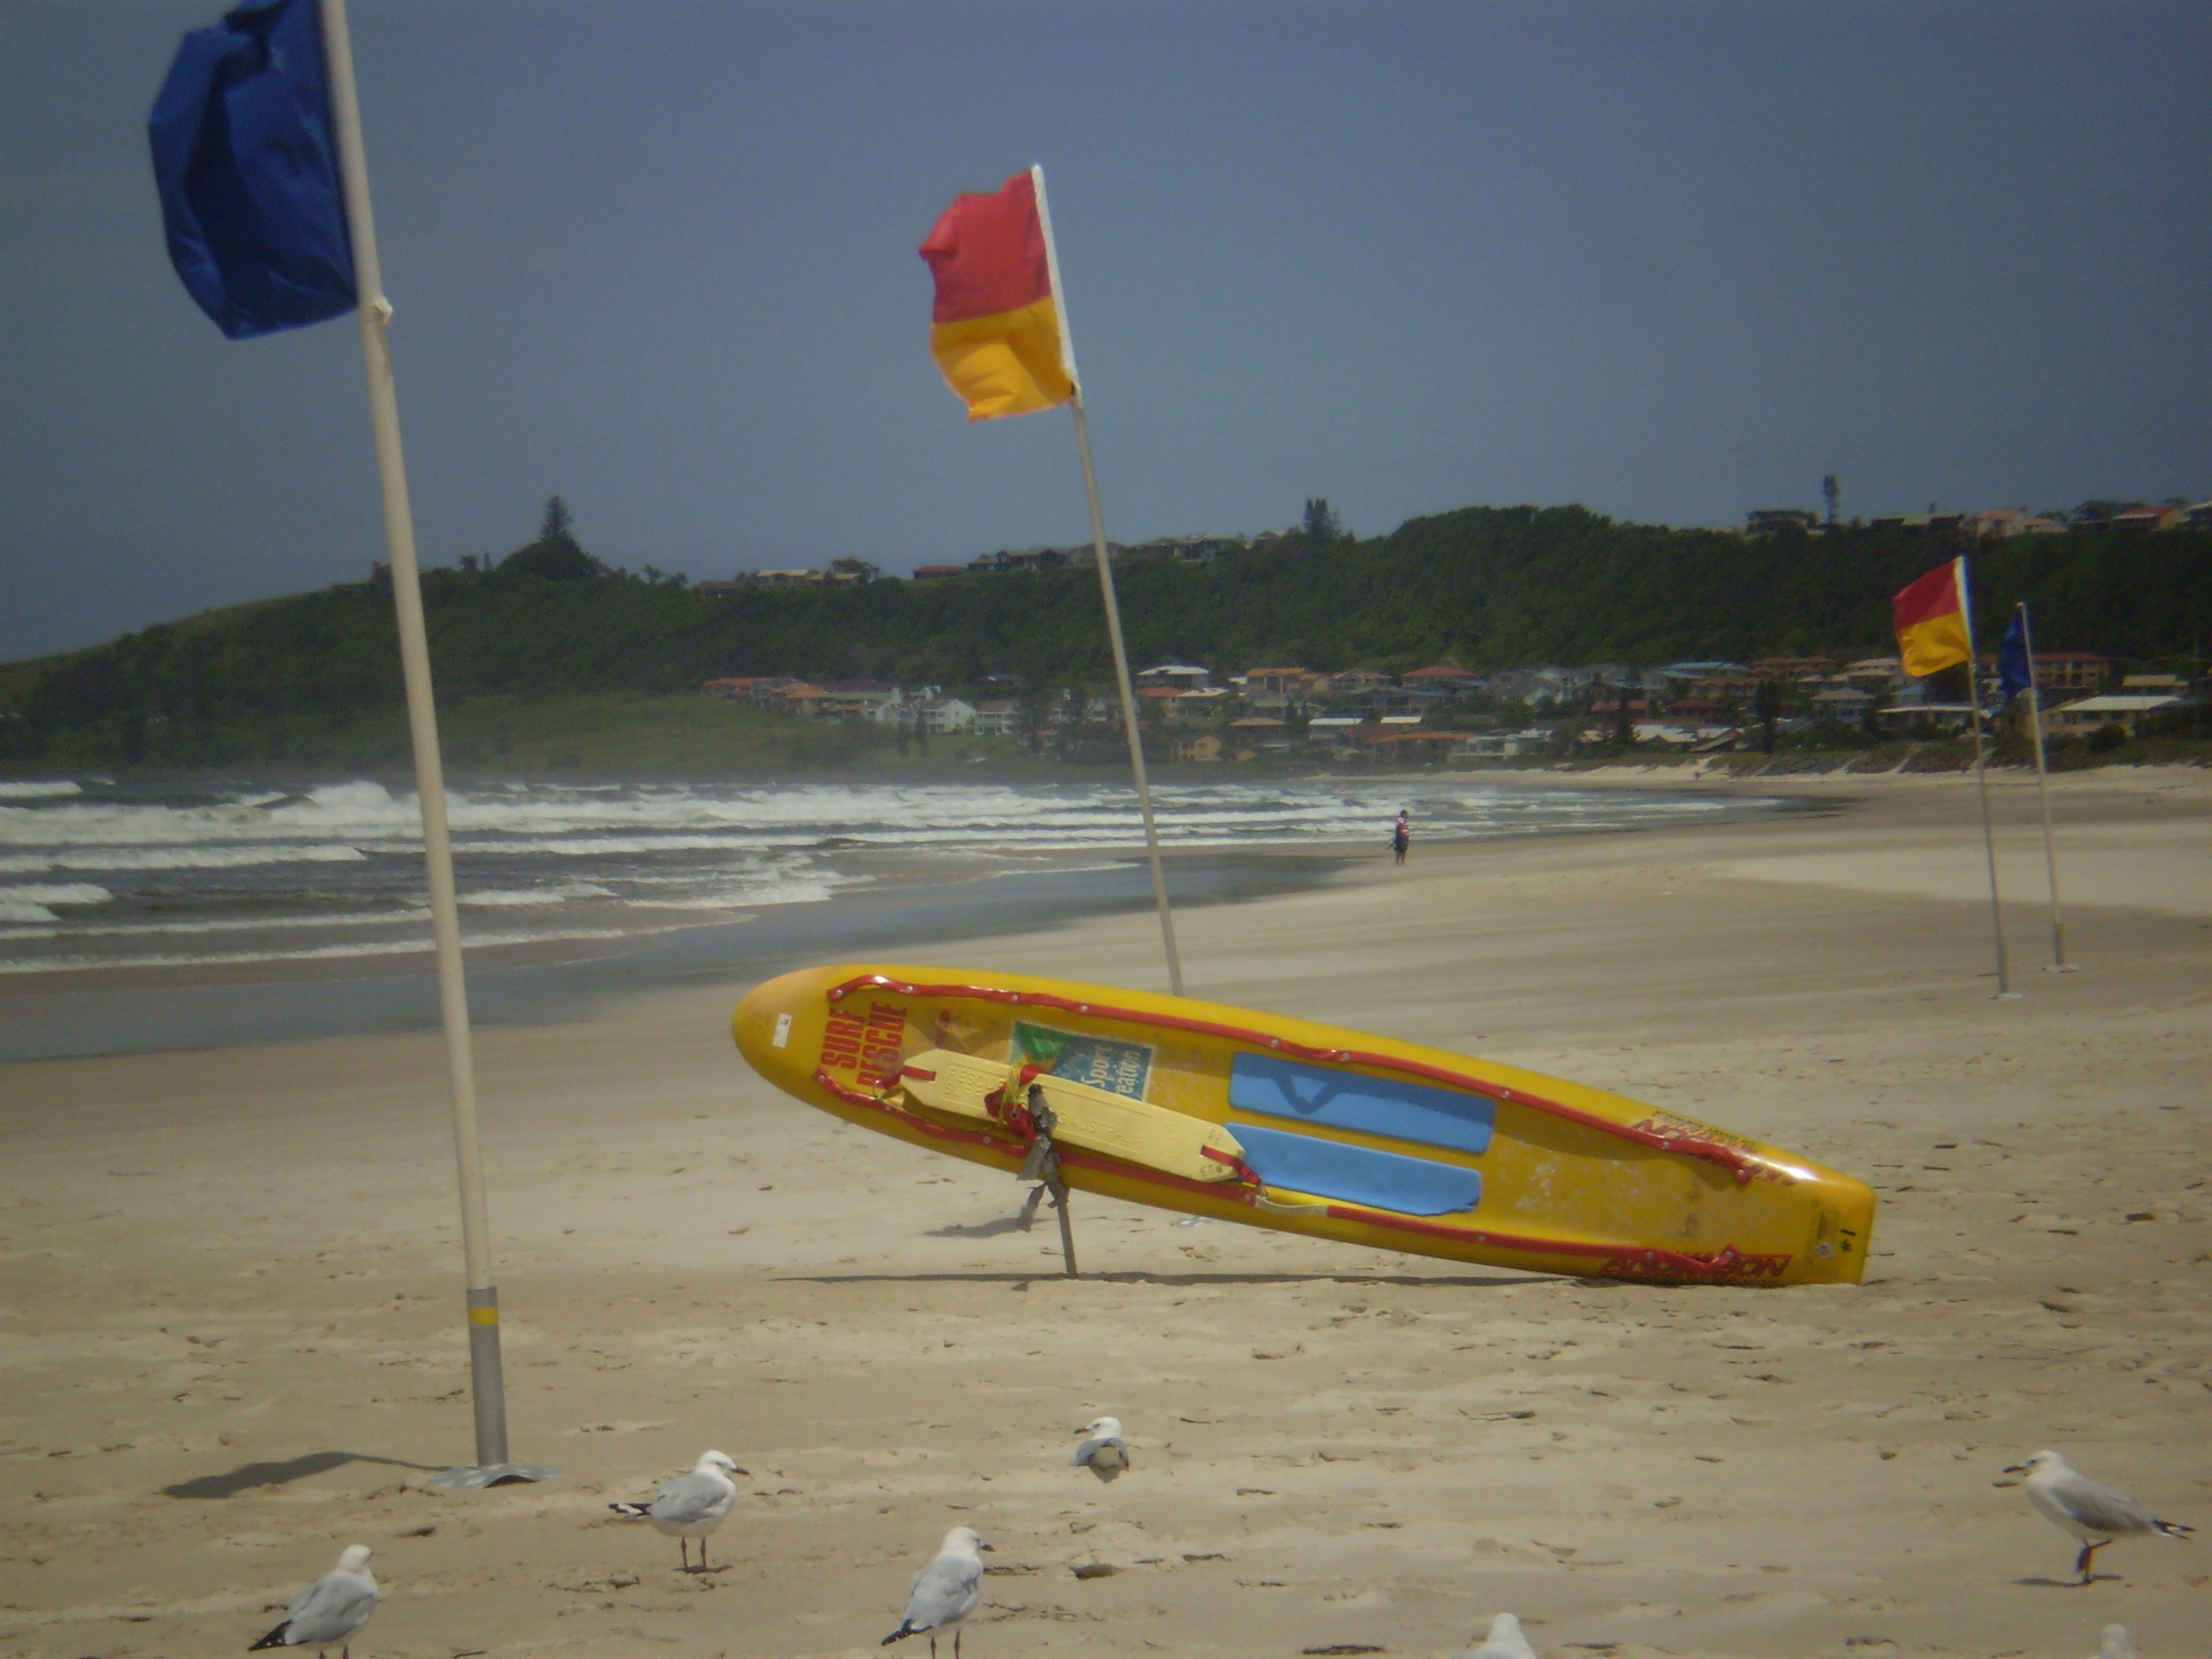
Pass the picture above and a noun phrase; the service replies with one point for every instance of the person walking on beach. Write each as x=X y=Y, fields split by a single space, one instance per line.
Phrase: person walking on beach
x=1401 y=835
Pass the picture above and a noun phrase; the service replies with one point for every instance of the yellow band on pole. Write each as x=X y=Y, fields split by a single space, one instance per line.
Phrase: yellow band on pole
x=483 y=1315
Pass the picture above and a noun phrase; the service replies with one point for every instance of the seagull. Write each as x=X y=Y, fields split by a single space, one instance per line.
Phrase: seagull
x=329 y=1610
x=1104 y=1452
x=944 y=1592
x=1504 y=1641
x=2094 y=1512
x=2117 y=1644
x=691 y=1506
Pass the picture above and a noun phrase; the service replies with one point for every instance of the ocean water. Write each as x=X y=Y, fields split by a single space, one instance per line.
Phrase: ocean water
x=96 y=873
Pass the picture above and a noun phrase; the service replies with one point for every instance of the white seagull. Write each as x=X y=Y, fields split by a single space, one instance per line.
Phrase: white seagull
x=1104 y=1452
x=691 y=1506
x=2092 y=1512
x=329 y=1610
x=1504 y=1641
x=944 y=1592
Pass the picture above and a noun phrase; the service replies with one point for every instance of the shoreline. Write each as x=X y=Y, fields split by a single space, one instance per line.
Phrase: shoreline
x=82 y=1007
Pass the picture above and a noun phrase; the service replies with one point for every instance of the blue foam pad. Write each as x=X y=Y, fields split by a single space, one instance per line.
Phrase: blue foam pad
x=1346 y=1100
x=1358 y=1174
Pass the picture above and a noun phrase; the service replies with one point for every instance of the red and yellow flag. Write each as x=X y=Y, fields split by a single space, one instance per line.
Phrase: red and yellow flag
x=995 y=332
x=1931 y=621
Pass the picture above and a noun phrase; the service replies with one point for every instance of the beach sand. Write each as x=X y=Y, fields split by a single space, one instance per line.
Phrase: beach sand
x=231 y=1340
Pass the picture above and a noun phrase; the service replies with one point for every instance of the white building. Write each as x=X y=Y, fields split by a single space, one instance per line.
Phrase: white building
x=1182 y=677
x=2114 y=708
x=945 y=715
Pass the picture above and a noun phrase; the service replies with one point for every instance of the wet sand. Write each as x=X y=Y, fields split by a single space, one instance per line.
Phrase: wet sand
x=231 y=1341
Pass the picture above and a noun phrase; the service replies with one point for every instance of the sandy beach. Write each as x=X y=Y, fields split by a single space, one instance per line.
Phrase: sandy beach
x=231 y=1341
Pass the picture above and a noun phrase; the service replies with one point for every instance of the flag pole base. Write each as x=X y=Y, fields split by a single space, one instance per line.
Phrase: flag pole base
x=494 y=1475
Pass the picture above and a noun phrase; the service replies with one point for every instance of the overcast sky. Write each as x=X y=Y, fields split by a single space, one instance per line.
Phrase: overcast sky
x=1671 y=261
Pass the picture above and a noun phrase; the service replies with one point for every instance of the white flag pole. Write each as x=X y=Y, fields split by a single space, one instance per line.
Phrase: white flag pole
x=487 y=1386
x=2058 y=962
x=1982 y=775
x=1106 y=590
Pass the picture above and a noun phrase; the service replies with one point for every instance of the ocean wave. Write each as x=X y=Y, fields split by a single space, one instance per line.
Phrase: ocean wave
x=175 y=857
x=504 y=898
x=25 y=789
x=73 y=892
x=796 y=891
x=21 y=905
x=235 y=925
x=312 y=953
x=260 y=874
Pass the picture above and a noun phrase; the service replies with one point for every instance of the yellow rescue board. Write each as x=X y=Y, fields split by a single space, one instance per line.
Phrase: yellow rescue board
x=1306 y=1128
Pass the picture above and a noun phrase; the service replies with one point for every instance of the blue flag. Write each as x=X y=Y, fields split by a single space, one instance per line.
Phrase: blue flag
x=248 y=172
x=2014 y=672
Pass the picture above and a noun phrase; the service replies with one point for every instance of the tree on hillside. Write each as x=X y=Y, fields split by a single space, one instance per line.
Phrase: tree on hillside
x=1321 y=527
x=1767 y=703
x=860 y=570
x=1830 y=491
x=555 y=556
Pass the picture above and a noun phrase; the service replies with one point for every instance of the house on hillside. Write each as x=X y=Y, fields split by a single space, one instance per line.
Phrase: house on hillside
x=1792 y=670
x=2150 y=517
x=1188 y=549
x=1444 y=680
x=1765 y=520
x=1873 y=673
x=1918 y=524
x=1353 y=681
x=1175 y=676
x=2090 y=715
x=1843 y=703
x=2152 y=685
x=2060 y=671
x=2002 y=523
x=1505 y=745
x=768 y=690
x=946 y=715
x=853 y=700
x=1021 y=558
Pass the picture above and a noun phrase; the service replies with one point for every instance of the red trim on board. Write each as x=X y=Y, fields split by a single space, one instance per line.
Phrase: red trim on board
x=1637 y=1260
x=1737 y=1163
x=942 y=1131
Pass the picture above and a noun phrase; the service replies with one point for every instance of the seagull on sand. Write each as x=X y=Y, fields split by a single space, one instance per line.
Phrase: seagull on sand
x=1504 y=1641
x=329 y=1611
x=1104 y=1452
x=2117 y=1644
x=944 y=1592
x=691 y=1506
x=2094 y=1512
